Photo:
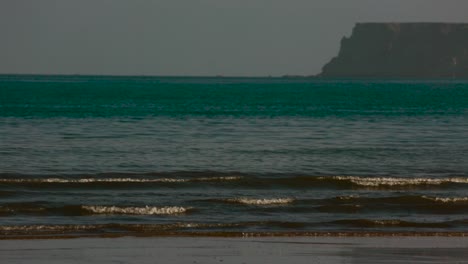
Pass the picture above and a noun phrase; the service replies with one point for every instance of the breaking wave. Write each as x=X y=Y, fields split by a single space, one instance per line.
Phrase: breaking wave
x=233 y=180
x=405 y=199
x=117 y=180
x=447 y=199
x=339 y=204
x=384 y=227
x=395 y=181
x=262 y=201
x=147 y=210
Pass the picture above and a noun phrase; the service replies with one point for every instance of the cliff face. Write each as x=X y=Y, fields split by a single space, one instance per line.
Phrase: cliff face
x=413 y=50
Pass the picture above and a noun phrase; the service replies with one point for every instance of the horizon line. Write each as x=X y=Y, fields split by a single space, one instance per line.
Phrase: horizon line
x=162 y=76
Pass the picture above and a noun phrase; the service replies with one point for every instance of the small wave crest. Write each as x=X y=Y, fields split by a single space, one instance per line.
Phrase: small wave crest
x=140 y=228
x=249 y=181
x=48 y=228
x=261 y=201
x=118 y=180
x=447 y=199
x=405 y=199
x=406 y=203
x=395 y=181
x=147 y=210
x=356 y=226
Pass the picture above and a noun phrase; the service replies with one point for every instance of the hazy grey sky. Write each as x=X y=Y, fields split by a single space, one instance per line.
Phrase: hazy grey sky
x=192 y=37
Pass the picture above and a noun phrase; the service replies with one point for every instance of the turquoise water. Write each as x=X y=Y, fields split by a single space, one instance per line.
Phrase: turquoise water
x=138 y=97
x=232 y=154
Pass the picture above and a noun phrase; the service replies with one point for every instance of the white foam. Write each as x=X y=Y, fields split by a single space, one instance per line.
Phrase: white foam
x=89 y=180
x=447 y=199
x=253 y=201
x=226 y=178
x=47 y=227
x=390 y=181
x=119 y=180
x=151 y=227
x=147 y=210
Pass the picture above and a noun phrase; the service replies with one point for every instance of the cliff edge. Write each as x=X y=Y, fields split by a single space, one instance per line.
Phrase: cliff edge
x=407 y=50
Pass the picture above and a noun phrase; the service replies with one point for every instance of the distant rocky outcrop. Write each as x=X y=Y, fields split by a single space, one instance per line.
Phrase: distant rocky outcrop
x=402 y=50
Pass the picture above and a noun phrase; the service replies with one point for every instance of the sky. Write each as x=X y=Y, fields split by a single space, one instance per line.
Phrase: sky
x=193 y=37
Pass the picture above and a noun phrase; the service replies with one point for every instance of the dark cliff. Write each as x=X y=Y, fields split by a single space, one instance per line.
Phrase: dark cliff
x=408 y=50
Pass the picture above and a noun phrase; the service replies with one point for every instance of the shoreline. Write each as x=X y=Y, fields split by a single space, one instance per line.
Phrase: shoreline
x=208 y=235
x=273 y=250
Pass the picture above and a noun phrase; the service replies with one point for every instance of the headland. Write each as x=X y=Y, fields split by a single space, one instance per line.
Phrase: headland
x=402 y=50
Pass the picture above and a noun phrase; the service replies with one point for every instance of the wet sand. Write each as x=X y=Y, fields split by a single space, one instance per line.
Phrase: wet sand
x=237 y=250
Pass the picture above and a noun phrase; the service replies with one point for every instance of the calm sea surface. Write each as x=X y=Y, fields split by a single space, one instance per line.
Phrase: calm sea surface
x=140 y=155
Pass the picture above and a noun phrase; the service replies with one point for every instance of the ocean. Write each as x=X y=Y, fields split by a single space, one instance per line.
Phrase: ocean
x=104 y=156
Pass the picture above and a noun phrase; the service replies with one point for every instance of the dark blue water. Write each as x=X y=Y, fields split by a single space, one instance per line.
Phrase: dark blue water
x=81 y=154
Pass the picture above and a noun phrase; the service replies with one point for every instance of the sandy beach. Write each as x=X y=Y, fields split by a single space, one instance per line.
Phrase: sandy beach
x=237 y=250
